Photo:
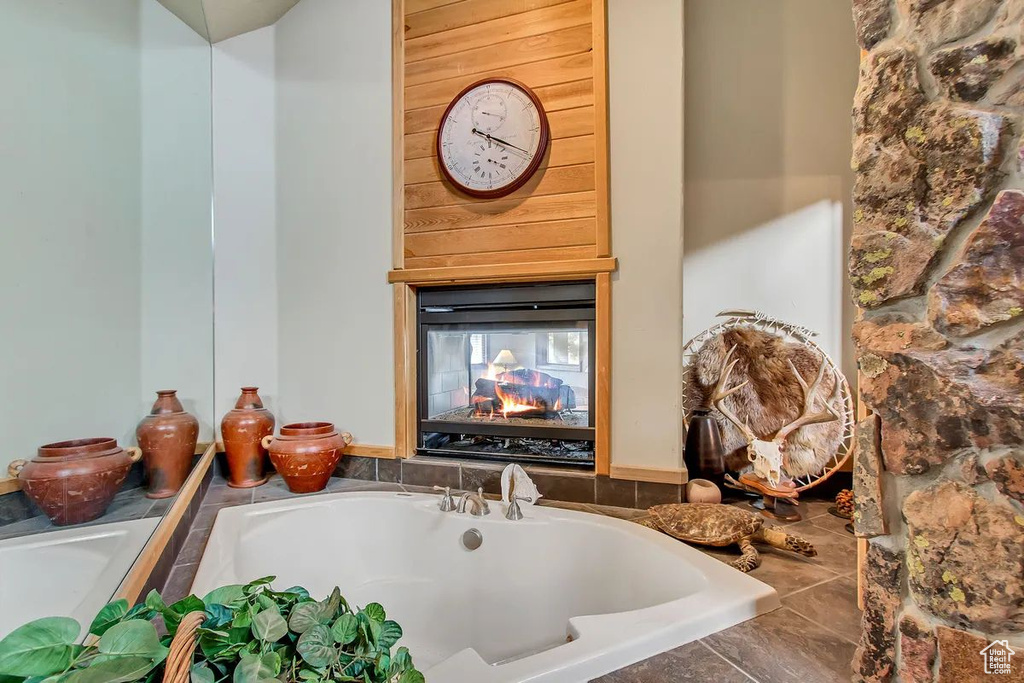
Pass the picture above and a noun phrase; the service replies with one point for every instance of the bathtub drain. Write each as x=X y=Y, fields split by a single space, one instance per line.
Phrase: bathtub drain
x=472 y=539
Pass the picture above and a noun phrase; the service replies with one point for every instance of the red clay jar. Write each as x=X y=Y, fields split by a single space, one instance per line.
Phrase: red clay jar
x=306 y=453
x=74 y=481
x=242 y=431
x=168 y=438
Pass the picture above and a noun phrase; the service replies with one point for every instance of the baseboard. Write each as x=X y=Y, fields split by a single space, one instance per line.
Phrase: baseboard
x=654 y=475
x=368 y=451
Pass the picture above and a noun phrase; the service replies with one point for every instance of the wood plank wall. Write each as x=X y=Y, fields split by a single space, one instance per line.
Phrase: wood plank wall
x=556 y=47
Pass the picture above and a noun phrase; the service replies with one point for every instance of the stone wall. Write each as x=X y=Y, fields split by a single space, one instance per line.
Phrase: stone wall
x=937 y=268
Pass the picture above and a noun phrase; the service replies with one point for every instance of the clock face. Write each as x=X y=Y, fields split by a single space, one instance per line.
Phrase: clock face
x=492 y=138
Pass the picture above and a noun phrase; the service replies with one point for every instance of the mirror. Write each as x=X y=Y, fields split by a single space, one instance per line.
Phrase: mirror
x=106 y=270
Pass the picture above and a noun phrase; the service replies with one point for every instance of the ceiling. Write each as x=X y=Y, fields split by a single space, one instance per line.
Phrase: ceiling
x=218 y=20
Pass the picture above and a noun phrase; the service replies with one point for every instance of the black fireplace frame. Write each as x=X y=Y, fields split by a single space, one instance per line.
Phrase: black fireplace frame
x=503 y=307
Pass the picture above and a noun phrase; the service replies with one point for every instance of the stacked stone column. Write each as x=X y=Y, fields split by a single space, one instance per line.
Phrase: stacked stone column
x=937 y=269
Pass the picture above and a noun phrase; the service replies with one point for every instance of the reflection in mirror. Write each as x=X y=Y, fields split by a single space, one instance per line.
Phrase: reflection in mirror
x=106 y=267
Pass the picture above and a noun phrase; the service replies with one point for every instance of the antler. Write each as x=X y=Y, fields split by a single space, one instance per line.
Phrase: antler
x=807 y=415
x=720 y=393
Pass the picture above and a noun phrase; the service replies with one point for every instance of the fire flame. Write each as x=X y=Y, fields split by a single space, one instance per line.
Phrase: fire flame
x=511 y=403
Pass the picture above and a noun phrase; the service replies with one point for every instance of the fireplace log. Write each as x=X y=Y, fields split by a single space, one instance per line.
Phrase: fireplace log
x=548 y=395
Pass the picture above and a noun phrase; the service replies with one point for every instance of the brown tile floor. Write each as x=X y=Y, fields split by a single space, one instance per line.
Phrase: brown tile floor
x=810 y=639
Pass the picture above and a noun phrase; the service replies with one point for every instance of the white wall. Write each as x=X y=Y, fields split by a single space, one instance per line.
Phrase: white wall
x=768 y=179
x=70 y=208
x=645 y=55
x=245 y=208
x=177 y=250
x=105 y=259
x=335 y=343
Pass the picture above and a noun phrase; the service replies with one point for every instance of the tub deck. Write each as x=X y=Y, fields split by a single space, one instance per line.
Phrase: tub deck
x=817 y=626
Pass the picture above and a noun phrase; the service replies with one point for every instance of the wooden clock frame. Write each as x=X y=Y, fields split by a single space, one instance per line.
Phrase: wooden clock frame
x=542 y=147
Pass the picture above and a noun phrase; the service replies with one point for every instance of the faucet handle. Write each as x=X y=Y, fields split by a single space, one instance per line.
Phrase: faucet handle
x=514 y=512
x=447 y=503
x=485 y=509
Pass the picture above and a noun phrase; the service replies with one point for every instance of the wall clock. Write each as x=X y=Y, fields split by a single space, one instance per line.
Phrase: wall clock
x=492 y=138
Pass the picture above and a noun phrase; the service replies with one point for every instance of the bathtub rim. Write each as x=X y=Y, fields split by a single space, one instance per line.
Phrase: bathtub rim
x=600 y=648
x=141 y=530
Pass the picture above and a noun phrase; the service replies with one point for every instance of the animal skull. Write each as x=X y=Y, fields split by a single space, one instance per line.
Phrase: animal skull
x=767 y=459
x=766 y=455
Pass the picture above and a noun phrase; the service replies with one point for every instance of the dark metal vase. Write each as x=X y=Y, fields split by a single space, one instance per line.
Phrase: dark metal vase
x=703 y=452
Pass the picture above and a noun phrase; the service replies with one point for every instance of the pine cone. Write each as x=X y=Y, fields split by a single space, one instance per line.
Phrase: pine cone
x=844 y=503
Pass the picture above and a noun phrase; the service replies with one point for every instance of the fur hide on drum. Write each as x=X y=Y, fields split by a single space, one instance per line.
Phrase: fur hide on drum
x=772 y=399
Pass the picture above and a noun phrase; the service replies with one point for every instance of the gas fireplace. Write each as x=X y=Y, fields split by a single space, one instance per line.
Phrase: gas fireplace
x=506 y=372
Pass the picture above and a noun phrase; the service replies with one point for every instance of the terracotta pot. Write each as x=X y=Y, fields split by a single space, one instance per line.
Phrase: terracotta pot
x=74 y=481
x=306 y=453
x=702 y=491
x=168 y=438
x=242 y=430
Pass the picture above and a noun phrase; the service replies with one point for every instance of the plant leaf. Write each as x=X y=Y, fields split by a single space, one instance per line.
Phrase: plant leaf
x=269 y=625
x=155 y=602
x=376 y=612
x=217 y=615
x=369 y=628
x=308 y=614
x=140 y=611
x=316 y=646
x=401 y=660
x=345 y=629
x=116 y=670
x=111 y=614
x=255 y=669
x=298 y=591
x=390 y=633
x=39 y=648
x=225 y=595
x=133 y=639
x=332 y=603
x=411 y=676
x=254 y=586
x=173 y=613
x=201 y=673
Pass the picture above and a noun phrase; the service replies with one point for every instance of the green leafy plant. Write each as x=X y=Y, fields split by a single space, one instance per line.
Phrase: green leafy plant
x=251 y=634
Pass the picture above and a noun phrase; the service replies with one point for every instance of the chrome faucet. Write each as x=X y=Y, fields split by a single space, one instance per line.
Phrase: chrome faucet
x=480 y=506
x=514 y=512
x=447 y=504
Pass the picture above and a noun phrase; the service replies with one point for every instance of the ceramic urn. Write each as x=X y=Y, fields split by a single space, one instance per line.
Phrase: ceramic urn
x=306 y=453
x=242 y=431
x=74 y=481
x=168 y=437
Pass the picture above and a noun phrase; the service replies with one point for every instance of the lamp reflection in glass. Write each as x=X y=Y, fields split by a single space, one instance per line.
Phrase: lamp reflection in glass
x=504 y=359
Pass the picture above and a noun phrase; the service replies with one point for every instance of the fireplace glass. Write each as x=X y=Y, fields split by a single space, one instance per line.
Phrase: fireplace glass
x=507 y=372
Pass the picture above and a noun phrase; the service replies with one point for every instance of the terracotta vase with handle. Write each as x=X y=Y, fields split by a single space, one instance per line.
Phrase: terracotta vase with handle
x=306 y=453
x=168 y=437
x=74 y=481
x=242 y=431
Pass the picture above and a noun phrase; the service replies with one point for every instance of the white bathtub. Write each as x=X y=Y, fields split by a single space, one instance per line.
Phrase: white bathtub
x=557 y=597
x=67 y=573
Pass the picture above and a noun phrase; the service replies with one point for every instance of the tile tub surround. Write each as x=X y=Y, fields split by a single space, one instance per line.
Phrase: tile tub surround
x=127 y=505
x=818 y=596
x=565 y=484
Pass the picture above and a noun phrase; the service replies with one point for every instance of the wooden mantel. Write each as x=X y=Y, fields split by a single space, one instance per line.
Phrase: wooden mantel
x=512 y=272
x=556 y=226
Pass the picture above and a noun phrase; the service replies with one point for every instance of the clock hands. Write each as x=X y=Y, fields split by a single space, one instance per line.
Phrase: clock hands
x=490 y=137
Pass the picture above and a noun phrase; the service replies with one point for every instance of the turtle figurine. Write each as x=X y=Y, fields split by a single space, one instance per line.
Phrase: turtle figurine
x=721 y=525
